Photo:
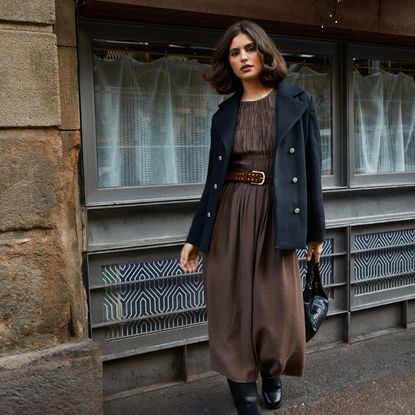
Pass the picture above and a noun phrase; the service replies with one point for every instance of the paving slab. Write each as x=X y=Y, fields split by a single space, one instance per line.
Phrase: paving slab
x=371 y=377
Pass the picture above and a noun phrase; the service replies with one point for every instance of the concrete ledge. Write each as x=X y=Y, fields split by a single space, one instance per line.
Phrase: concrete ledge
x=61 y=380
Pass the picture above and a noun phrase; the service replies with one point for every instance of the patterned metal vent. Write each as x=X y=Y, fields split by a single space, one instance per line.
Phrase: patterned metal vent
x=149 y=296
x=326 y=264
x=383 y=261
x=384 y=239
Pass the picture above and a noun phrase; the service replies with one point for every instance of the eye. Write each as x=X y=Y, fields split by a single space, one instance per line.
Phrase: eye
x=252 y=48
x=234 y=53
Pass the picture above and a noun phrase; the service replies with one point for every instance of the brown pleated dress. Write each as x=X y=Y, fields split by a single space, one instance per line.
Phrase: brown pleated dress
x=253 y=291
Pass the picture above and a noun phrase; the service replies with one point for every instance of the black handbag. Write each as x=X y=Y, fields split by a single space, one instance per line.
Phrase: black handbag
x=316 y=302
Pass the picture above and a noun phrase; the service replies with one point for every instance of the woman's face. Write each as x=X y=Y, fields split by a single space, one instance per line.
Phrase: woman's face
x=244 y=57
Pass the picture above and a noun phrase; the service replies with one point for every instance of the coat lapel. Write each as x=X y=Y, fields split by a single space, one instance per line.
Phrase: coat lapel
x=288 y=111
x=226 y=120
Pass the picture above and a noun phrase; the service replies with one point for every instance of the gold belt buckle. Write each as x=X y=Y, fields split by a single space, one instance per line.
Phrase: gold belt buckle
x=262 y=179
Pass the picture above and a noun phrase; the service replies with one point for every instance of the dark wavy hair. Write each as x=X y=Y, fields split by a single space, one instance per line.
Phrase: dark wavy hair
x=221 y=75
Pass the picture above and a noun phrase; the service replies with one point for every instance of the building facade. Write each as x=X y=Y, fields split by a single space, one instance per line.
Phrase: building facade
x=105 y=135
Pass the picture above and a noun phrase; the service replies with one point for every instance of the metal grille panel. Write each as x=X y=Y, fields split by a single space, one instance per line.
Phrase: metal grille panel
x=148 y=296
x=383 y=261
x=157 y=324
x=387 y=283
x=384 y=239
x=152 y=295
x=326 y=264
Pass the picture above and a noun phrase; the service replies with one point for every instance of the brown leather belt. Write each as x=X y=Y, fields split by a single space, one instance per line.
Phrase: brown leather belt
x=253 y=177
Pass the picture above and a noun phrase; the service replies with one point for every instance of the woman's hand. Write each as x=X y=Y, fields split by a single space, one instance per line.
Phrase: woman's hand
x=314 y=248
x=188 y=257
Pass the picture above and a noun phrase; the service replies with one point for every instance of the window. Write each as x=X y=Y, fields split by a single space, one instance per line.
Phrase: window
x=383 y=115
x=153 y=111
x=146 y=110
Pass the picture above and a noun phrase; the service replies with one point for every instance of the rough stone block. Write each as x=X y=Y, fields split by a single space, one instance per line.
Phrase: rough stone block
x=71 y=143
x=29 y=162
x=64 y=380
x=68 y=81
x=65 y=25
x=33 y=11
x=29 y=87
x=71 y=230
x=35 y=307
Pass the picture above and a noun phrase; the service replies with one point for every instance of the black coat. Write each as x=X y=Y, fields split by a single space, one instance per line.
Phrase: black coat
x=298 y=201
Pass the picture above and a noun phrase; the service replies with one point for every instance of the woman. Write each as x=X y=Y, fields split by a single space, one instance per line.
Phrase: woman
x=262 y=200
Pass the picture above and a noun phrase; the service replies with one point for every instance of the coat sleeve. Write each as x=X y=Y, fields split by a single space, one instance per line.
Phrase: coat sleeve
x=196 y=229
x=315 y=208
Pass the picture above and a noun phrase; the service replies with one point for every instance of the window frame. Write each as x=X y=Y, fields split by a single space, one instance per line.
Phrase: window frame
x=121 y=31
x=370 y=51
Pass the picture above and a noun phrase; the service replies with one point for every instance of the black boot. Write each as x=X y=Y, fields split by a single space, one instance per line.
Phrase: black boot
x=271 y=391
x=245 y=397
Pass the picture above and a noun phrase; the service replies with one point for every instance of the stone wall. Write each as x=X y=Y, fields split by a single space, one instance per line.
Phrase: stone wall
x=43 y=305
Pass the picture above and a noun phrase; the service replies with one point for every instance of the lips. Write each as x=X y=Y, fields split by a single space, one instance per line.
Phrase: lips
x=246 y=67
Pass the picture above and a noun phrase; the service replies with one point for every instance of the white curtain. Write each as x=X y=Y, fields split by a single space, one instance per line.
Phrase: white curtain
x=152 y=121
x=384 y=120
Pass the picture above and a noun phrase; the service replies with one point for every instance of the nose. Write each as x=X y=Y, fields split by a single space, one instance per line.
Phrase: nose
x=244 y=58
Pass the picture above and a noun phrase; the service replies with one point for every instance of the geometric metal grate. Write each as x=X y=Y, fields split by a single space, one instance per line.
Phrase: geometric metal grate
x=151 y=295
x=384 y=239
x=143 y=270
x=386 y=283
x=383 y=261
x=326 y=264
x=154 y=295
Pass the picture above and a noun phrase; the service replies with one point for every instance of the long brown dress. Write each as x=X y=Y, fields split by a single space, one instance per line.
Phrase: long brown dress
x=253 y=291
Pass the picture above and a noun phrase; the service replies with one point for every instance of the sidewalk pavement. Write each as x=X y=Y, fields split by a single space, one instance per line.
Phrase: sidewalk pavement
x=371 y=377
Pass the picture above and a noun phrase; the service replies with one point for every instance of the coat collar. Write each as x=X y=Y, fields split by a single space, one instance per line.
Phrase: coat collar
x=288 y=111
